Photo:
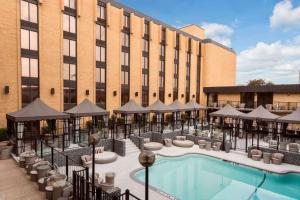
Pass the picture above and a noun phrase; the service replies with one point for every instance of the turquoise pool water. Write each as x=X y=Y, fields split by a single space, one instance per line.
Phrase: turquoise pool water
x=198 y=177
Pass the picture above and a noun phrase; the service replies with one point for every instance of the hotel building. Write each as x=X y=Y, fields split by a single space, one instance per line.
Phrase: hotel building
x=64 y=51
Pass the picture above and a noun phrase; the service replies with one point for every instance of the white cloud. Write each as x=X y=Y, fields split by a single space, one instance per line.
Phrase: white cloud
x=285 y=16
x=278 y=62
x=218 y=32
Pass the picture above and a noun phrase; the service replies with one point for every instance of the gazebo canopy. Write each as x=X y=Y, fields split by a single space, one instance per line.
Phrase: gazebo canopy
x=36 y=111
x=293 y=117
x=227 y=111
x=260 y=113
x=193 y=105
x=159 y=107
x=177 y=106
x=131 y=107
x=86 y=108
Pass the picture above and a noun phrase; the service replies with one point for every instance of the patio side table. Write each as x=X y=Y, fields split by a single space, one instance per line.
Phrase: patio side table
x=43 y=170
x=267 y=157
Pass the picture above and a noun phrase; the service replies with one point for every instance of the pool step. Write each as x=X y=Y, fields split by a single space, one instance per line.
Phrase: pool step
x=235 y=190
x=130 y=147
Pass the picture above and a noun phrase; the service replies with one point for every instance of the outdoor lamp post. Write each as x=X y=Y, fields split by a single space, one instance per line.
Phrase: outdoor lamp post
x=93 y=140
x=146 y=159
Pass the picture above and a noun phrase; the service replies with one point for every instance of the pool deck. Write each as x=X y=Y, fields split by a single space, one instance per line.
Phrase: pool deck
x=124 y=166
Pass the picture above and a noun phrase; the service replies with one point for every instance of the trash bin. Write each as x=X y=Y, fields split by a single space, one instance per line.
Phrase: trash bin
x=227 y=146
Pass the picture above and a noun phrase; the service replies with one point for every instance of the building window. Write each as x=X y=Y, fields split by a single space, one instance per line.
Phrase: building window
x=124 y=58
x=29 y=93
x=147 y=28
x=145 y=80
x=101 y=12
x=100 y=54
x=29 y=12
x=125 y=39
x=100 y=32
x=100 y=97
x=198 y=75
x=188 y=71
x=145 y=63
x=69 y=72
x=146 y=46
x=124 y=78
x=70 y=4
x=126 y=21
x=69 y=23
x=176 y=69
x=162 y=66
x=29 y=40
x=69 y=48
x=100 y=75
x=29 y=67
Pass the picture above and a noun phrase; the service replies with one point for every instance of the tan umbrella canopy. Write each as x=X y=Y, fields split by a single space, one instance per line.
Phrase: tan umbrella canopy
x=294 y=117
x=177 y=106
x=227 y=111
x=260 y=113
x=86 y=108
x=131 y=107
x=159 y=107
x=36 y=111
x=193 y=105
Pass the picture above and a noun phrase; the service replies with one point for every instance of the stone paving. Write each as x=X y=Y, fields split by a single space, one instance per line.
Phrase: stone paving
x=15 y=184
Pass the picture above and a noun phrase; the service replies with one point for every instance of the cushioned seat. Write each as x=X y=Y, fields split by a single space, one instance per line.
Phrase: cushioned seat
x=105 y=157
x=153 y=146
x=183 y=143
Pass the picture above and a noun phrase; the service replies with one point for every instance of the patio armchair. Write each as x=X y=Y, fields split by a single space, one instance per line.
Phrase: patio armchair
x=242 y=105
x=256 y=154
x=202 y=144
x=294 y=147
x=5 y=150
x=273 y=144
x=168 y=142
x=277 y=158
x=86 y=161
x=283 y=146
x=216 y=146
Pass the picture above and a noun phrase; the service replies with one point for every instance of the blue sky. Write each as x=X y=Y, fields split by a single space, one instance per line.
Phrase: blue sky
x=264 y=33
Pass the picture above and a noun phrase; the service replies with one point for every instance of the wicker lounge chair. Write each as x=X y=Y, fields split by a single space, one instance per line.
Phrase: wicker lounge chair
x=202 y=144
x=273 y=144
x=183 y=143
x=86 y=160
x=105 y=157
x=217 y=146
x=294 y=147
x=256 y=154
x=277 y=158
x=153 y=146
x=168 y=142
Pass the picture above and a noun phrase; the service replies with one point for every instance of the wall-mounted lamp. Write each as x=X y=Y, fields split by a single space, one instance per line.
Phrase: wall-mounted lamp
x=193 y=96
x=136 y=94
x=154 y=94
x=182 y=95
x=170 y=94
x=87 y=92
x=114 y=93
x=52 y=91
x=6 y=89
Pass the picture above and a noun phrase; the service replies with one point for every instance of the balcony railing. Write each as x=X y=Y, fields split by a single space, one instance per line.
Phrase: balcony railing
x=276 y=106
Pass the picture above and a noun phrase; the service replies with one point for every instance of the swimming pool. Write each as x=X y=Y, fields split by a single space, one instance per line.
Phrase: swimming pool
x=199 y=177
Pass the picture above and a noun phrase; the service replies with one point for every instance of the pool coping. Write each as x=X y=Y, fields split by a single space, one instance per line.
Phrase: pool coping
x=132 y=174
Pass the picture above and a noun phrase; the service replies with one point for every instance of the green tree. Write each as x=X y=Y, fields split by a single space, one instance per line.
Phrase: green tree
x=259 y=82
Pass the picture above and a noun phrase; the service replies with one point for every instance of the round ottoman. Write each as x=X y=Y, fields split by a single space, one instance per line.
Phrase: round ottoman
x=153 y=146
x=183 y=143
x=105 y=157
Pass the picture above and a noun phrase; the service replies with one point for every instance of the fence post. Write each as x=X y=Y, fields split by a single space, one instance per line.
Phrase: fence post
x=42 y=149
x=35 y=145
x=67 y=167
x=127 y=194
x=52 y=156
x=74 y=185
x=82 y=188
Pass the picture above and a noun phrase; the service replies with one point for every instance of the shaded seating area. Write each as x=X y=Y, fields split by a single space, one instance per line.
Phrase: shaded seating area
x=129 y=119
x=159 y=109
x=87 y=118
x=179 y=117
x=194 y=115
x=228 y=122
x=37 y=121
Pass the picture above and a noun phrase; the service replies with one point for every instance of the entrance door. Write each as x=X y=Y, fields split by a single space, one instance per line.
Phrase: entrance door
x=248 y=99
x=264 y=98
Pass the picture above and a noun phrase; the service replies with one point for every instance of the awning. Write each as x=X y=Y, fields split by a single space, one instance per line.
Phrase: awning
x=193 y=105
x=36 y=111
x=260 y=113
x=159 y=107
x=293 y=117
x=227 y=111
x=86 y=108
x=131 y=107
x=177 y=106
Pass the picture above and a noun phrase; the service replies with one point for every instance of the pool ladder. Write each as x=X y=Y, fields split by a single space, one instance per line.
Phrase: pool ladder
x=259 y=185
